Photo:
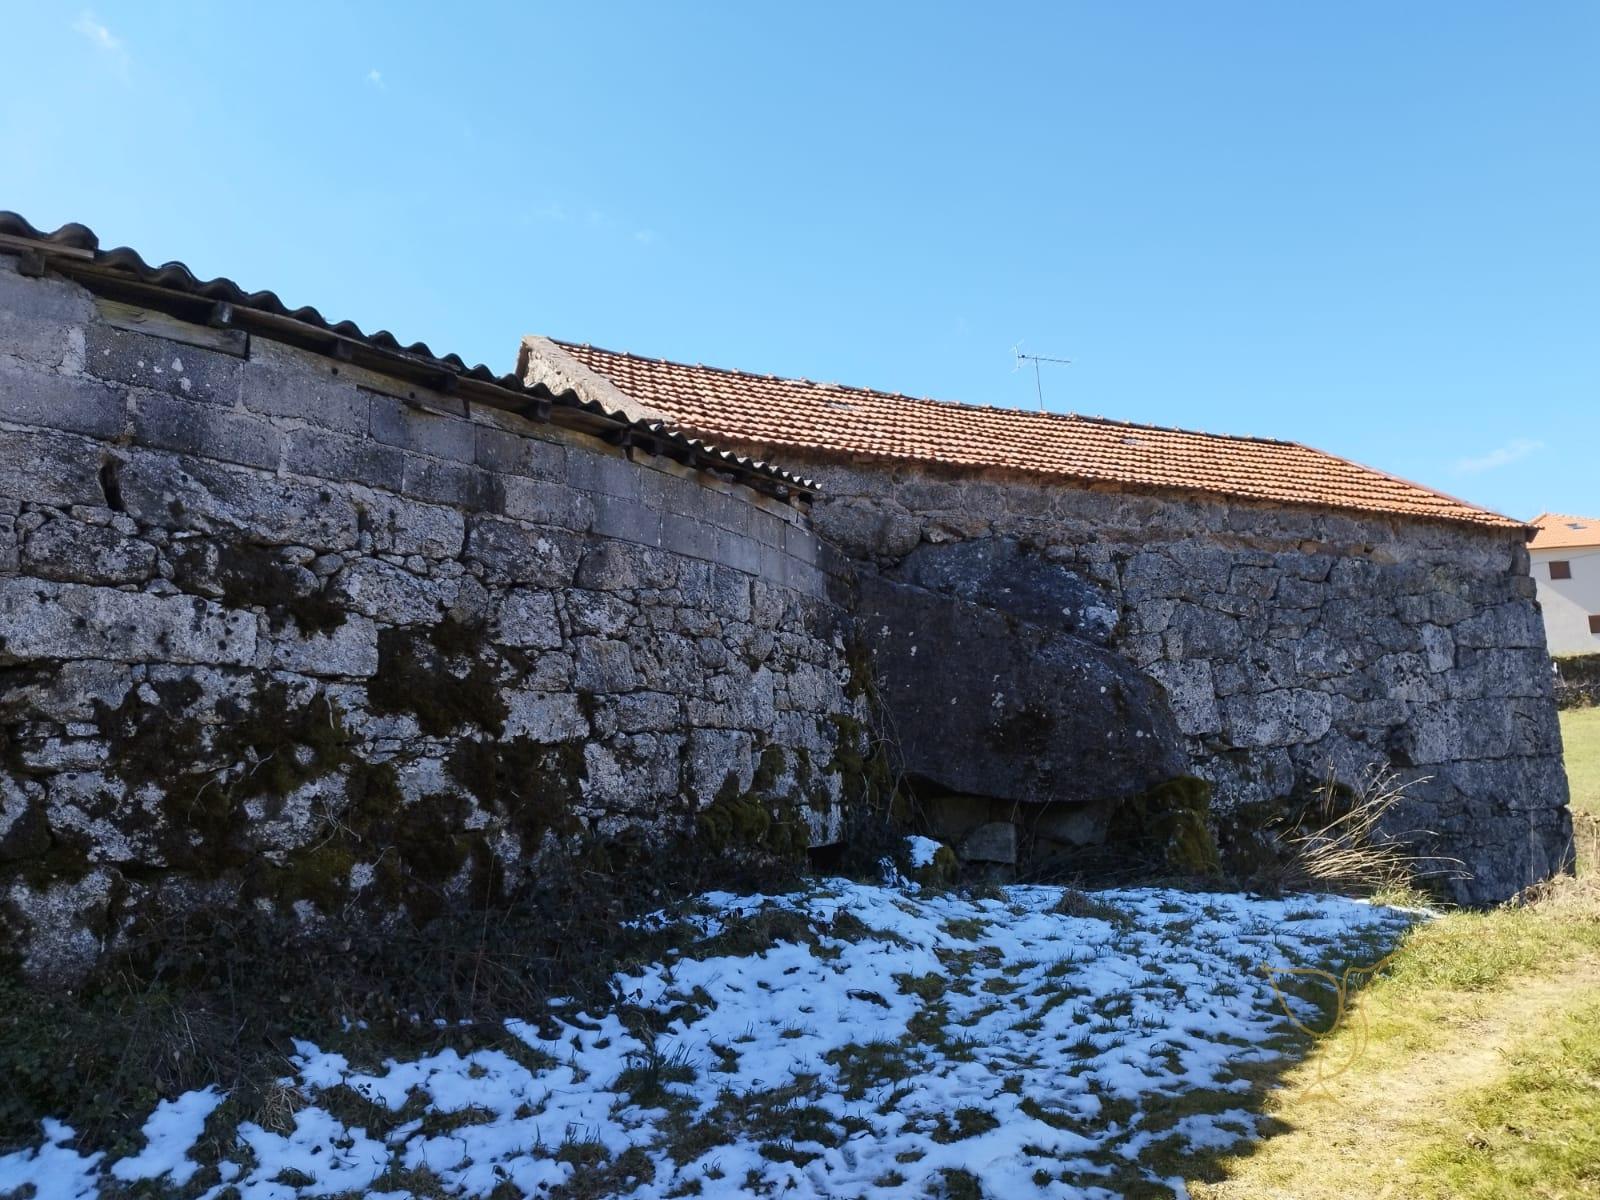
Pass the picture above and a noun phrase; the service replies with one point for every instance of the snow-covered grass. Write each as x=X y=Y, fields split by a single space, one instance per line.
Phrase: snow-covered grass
x=847 y=1040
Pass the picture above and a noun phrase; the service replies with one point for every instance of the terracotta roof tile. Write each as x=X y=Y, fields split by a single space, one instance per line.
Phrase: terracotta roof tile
x=801 y=414
x=1559 y=530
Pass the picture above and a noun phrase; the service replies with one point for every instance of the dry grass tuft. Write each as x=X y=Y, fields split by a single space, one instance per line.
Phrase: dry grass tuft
x=1343 y=840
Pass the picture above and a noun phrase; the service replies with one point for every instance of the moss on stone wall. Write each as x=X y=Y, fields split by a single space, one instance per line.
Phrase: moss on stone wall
x=266 y=747
x=533 y=786
x=1170 y=823
x=745 y=823
x=251 y=576
x=416 y=676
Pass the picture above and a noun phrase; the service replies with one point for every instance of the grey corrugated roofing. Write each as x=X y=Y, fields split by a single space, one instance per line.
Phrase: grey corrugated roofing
x=74 y=250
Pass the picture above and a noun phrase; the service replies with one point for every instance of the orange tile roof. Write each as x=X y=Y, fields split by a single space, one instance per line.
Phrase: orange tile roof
x=799 y=414
x=1557 y=530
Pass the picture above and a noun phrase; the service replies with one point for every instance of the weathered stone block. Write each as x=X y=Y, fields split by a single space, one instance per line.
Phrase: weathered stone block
x=599 y=613
x=509 y=552
x=545 y=503
x=604 y=665
x=545 y=717
x=73 y=552
x=70 y=691
x=186 y=492
x=738 y=552
x=280 y=382
x=1288 y=717
x=444 y=482
x=688 y=536
x=631 y=772
x=519 y=454
x=349 y=650
x=379 y=590
x=598 y=473
x=329 y=455
x=641 y=712
x=610 y=566
x=62 y=924
x=42 y=320
x=624 y=519
x=1191 y=694
x=396 y=423
x=142 y=361
x=61 y=402
x=43 y=620
x=720 y=760
x=528 y=619
x=398 y=526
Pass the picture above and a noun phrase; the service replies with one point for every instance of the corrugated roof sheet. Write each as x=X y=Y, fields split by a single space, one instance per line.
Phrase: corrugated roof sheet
x=75 y=250
x=800 y=414
x=1557 y=531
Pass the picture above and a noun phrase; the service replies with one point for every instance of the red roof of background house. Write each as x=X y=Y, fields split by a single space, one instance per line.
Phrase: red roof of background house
x=1558 y=530
x=800 y=414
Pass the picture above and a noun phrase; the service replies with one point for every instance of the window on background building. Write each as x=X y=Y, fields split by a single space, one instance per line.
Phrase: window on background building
x=1560 y=570
x=1594 y=624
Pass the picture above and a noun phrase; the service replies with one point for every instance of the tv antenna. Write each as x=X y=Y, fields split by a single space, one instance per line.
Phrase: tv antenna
x=1036 y=359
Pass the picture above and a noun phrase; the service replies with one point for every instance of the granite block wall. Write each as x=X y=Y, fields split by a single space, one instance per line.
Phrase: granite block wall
x=271 y=633
x=1294 y=644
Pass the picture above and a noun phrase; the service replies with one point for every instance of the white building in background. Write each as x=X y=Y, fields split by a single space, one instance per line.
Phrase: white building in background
x=1566 y=568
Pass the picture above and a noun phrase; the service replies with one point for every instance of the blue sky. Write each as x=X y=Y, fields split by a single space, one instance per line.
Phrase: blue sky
x=1373 y=227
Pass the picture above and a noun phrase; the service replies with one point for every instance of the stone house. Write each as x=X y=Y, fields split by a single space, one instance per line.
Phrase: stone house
x=300 y=620
x=1134 y=602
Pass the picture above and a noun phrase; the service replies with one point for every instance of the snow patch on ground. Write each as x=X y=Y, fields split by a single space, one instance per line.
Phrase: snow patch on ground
x=903 y=1043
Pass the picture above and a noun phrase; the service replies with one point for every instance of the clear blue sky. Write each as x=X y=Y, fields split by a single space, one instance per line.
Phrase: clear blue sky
x=1374 y=227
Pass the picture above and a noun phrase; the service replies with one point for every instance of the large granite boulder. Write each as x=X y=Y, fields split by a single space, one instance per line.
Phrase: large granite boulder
x=994 y=688
x=999 y=574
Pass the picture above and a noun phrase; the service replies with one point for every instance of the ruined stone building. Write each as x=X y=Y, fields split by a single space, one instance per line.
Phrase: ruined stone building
x=297 y=617
x=1028 y=576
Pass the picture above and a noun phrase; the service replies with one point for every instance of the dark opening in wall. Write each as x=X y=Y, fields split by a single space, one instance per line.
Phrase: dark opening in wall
x=1560 y=569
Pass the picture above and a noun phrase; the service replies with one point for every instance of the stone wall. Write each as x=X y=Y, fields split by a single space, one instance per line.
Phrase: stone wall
x=1291 y=643
x=1577 y=680
x=271 y=631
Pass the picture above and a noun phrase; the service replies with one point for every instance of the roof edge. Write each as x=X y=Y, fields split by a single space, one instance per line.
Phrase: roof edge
x=543 y=361
x=1501 y=520
x=73 y=251
x=1541 y=525
x=558 y=351
x=561 y=345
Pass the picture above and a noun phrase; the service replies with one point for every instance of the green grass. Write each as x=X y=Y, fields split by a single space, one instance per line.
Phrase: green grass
x=1580 y=734
x=1473 y=1066
x=1536 y=1130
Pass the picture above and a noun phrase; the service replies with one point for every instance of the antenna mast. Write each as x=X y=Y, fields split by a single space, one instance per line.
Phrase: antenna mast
x=1036 y=359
